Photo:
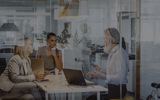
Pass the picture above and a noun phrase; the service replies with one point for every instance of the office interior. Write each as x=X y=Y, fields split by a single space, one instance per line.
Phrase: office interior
x=138 y=22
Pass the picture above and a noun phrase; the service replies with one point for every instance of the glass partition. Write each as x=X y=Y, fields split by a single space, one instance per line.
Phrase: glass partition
x=79 y=26
x=149 y=70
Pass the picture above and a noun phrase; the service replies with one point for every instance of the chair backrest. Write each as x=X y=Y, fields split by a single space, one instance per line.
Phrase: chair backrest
x=2 y=65
x=6 y=50
x=123 y=43
x=7 y=56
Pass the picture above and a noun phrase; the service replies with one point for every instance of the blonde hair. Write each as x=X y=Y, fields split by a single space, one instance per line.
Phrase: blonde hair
x=21 y=50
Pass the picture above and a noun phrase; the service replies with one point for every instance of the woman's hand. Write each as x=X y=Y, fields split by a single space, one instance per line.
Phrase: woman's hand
x=46 y=72
x=53 y=52
x=39 y=76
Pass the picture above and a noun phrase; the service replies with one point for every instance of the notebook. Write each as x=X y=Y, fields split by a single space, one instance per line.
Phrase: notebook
x=37 y=64
x=75 y=77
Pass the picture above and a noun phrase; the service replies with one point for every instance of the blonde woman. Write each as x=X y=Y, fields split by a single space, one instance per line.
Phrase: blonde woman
x=18 y=76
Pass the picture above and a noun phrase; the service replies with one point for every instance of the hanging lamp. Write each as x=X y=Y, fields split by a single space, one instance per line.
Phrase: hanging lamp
x=8 y=32
x=9 y=27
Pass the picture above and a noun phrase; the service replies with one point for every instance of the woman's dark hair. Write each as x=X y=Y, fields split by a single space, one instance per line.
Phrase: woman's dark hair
x=50 y=34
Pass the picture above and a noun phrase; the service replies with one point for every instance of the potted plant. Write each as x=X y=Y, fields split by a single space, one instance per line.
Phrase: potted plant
x=63 y=38
x=44 y=35
x=41 y=37
x=75 y=40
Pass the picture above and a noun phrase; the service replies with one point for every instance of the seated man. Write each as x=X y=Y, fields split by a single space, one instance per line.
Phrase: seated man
x=117 y=66
x=18 y=76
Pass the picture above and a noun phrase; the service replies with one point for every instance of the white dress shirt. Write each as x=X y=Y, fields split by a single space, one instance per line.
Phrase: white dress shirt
x=117 y=66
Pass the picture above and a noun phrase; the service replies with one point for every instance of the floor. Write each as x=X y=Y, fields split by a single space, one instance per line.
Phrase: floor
x=85 y=95
x=131 y=94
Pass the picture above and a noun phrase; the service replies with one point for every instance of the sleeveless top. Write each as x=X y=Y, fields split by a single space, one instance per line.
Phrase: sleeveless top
x=49 y=63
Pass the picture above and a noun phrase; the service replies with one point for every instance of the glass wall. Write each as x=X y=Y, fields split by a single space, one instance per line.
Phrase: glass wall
x=80 y=36
x=31 y=18
x=150 y=43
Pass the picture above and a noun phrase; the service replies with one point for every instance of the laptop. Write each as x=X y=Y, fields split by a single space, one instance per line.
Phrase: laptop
x=37 y=64
x=75 y=77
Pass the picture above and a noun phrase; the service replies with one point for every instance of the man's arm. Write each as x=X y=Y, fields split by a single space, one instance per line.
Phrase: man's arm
x=121 y=69
x=100 y=69
x=97 y=74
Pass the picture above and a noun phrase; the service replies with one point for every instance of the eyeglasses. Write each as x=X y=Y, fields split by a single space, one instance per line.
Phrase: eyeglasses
x=109 y=31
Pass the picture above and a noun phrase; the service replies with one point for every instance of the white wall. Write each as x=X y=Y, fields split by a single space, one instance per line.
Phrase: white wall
x=102 y=14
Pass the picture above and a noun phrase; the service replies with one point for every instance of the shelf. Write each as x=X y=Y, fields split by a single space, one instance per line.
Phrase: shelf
x=73 y=18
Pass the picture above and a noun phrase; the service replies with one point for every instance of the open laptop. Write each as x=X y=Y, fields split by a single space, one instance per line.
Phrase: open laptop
x=75 y=77
x=37 y=64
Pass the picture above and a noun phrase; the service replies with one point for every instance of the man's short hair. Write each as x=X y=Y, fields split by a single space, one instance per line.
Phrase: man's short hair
x=113 y=34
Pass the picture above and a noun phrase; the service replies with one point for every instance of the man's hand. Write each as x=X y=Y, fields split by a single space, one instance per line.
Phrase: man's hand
x=96 y=74
x=98 y=68
x=93 y=75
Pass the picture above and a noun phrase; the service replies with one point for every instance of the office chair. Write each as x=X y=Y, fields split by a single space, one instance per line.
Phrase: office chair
x=123 y=43
x=2 y=65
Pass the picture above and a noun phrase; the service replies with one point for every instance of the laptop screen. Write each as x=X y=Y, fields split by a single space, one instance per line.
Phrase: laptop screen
x=37 y=64
x=74 y=77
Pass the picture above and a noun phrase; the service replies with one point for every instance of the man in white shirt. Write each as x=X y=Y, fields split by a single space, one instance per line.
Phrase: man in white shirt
x=117 y=66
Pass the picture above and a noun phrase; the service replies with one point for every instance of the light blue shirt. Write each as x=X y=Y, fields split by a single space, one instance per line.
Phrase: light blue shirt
x=117 y=66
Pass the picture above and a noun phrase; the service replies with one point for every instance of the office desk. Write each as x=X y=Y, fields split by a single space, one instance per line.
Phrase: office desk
x=58 y=84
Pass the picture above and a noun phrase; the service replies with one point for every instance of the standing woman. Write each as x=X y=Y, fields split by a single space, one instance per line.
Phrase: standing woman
x=52 y=56
x=18 y=76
